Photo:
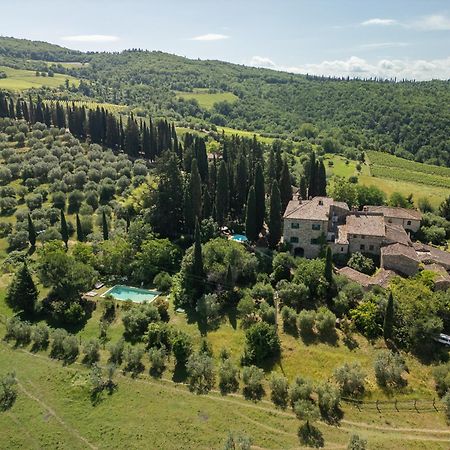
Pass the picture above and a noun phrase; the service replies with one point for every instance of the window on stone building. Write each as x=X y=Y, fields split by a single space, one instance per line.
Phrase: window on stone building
x=362 y=247
x=294 y=239
x=316 y=226
x=314 y=241
x=371 y=247
x=295 y=225
x=408 y=223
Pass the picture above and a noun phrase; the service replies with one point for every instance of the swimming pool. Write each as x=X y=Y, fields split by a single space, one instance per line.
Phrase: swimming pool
x=137 y=295
x=239 y=238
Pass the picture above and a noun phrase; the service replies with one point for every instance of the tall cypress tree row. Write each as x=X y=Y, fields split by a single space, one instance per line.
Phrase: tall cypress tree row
x=241 y=185
x=222 y=194
x=251 y=229
x=312 y=190
x=202 y=158
x=196 y=190
x=207 y=203
x=132 y=139
x=260 y=197
x=105 y=226
x=285 y=186
x=275 y=216
x=188 y=210
x=321 y=179
x=303 y=189
x=22 y=294
x=31 y=232
x=80 y=234
x=64 y=230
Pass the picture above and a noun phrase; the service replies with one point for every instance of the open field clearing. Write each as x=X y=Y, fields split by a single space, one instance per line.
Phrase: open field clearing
x=206 y=99
x=20 y=80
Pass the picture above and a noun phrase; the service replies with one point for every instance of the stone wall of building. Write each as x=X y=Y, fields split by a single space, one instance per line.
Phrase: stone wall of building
x=400 y=264
x=305 y=240
x=366 y=244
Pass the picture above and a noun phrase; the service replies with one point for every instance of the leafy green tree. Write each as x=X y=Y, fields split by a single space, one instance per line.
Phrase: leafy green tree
x=251 y=228
x=105 y=230
x=444 y=209
x=328 y=273
x=181 y=347
x=279 y=391
x=252 y=378
x=198 y=271
x=8 y=391
x=321 y=179
x=201 y=375
x=157 y=357
x=356 y=443
x=389 y=368
x=228 y=376
x=262 y=342
x=351 y=378
x=132 y=357
x=389 y=319
x=275 y=216
x=22 y=294
x=361 y=263
x=237 y=442
x=91 y=351
x=137 y=319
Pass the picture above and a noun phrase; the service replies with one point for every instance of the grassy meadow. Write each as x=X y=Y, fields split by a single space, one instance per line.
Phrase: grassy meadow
x=20 y=80
x=206 y=99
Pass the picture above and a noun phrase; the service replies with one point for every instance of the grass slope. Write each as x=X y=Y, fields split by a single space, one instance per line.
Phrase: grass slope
x=20 y=80
x=206 y=99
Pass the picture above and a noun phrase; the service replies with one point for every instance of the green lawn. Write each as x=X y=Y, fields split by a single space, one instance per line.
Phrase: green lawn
x=19 y=80
x=206 y=99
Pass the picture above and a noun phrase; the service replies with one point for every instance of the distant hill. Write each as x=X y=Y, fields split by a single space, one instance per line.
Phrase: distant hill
x=408 y=119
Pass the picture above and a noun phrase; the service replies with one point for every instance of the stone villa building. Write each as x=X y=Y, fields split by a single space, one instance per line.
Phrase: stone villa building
x=377 y=230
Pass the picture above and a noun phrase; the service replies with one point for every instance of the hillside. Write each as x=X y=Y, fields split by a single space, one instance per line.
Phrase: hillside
x=408 y=119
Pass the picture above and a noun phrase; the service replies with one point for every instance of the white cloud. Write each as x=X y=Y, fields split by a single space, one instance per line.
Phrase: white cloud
x=358 y=67
x=435 y=22
x=91 y=38
x=210 y=37
x=379 y=22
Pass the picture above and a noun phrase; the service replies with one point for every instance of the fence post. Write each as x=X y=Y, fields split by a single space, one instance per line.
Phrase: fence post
x=415 y=405
x=378 y=408
x=396 y=407
x=434 y=404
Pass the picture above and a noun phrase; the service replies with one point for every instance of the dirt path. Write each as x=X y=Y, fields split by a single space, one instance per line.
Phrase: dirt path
x=55 y=416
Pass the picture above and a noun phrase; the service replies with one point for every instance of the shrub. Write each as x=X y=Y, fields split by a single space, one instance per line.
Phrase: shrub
x=8 y=392
x=252 y=377
x=181 y=347
x=18 y=331
x=389 y=368
x=279 y=391
x=228 y=376
x=70 y=349
x=442 y=379
x=267 y=313
x=289 y=317
x=159 y=335
x=137 y=319
x=91 y=352
x=163 y=281
x=329 y=399
x=306 y=320
x=208 y=308
x=201 y=376
x=57 y=349
x=40 y=336
x=116 y=352
x=356 y=443
x=325 y=322
x=300 y=389
x=261 y=342
x=157 y=357
x=350 y=378
x=263 y=291
x=237 y=442
x=133 y=360
x=361 y=263
x=162 y=305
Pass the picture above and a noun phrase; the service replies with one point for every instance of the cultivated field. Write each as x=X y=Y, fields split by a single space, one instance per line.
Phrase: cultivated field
x=20 y=80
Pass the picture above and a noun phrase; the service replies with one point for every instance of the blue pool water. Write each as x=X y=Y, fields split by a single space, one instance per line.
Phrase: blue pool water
x=239 y=238
x=120 y=292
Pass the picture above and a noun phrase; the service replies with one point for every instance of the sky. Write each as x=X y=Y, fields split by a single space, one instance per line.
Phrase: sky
x=364 y=38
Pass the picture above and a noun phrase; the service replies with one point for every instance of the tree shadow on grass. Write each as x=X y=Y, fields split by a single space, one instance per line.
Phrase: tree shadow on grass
x=179 y=373
x=330 y=338
x=310 y=436
x=308 y=338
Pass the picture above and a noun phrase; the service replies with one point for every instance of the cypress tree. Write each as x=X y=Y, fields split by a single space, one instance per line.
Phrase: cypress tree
x=80 y=234
x=303 y=189
x=285 y=186
x=19 y=113
x=271 y=173
x=198 y=271
x=251 y=229
x=260 y=198
x=229 y=285
x=22 y=293
x=222 y=194
x=207 y=204
x=132 y=138
x=312 y=192
x=274 y=216
x=31 y=232
x=329 y=266
x=64 y=231
x=188 y=210
x=202 y=158
x=321 y=180
x=105 y=227
x=241 y=185
x=389 y=319
x=196 y=190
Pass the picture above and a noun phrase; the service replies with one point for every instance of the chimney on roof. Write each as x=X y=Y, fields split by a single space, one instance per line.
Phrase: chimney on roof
x=365 y=209
x=321 y=202
x=299 y=198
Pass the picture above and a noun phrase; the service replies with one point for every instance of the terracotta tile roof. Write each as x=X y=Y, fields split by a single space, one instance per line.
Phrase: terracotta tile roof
x=316 y=209
x=397 y=213
x=354 y=275
x=366 y=225
x=383 y=277
x=400 y=250
x=428 y=254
